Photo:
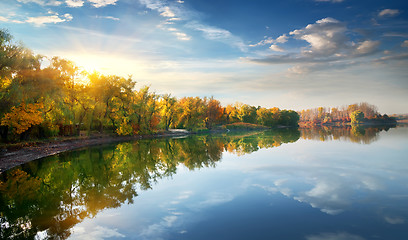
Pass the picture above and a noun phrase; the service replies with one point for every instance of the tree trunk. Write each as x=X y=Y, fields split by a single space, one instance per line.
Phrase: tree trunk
x=4 y=133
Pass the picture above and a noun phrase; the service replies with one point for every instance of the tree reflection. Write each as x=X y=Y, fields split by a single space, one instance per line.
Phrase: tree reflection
x=53 y=195
x=356 y=134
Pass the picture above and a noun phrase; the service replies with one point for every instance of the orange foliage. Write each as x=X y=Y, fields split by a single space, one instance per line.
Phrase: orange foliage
x=21 y=118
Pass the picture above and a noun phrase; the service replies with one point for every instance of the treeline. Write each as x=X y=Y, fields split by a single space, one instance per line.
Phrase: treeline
x=356 y=113
x=60 y=99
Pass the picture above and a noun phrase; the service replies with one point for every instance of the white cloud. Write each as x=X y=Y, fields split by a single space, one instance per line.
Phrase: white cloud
x=74 y=3
x=167 y=12
x=389 y=13
x=281 y=39
x=42 y=2
x=299 y=70
x=276 y=48
x=108 y=17
x=102 y=3
x=68 y=17
x=212 y=33
x=182 y=36
x=263 y=42
x=3 y=19
x=42 y=20
x=328 y=47
x=173 y=12
x=152 y=4
x=404 y=44
x=367 y=47
x=326 y=37
x=218 y=34
x=54 y=3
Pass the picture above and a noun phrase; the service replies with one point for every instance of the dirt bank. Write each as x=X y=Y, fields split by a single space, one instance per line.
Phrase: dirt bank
x=14 y=156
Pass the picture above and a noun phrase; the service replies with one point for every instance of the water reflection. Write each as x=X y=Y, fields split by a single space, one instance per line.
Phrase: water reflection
x=48 y=198
x=355 y=133
x=56 y=194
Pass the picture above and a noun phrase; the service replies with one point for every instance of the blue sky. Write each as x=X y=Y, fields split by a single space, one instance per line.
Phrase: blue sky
x=292 y=54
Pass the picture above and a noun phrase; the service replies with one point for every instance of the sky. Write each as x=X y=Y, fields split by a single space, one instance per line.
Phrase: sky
x=293 y=54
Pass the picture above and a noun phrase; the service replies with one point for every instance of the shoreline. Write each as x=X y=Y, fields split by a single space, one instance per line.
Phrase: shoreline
x=14 y=156
x=10 y=158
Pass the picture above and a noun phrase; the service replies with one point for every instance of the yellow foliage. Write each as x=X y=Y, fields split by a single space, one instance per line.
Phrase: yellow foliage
x=21 y=118
x=5 y=82
x=124 y=128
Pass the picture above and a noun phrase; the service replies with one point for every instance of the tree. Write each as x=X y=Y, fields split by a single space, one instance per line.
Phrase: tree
x=268 y=117
x=169 y=110
x=15 y=61
x=146 y=109
x=213 y=112
x=288 y=118
x=192 y=115
x=21 y=118
x=243 y=113
x=357 y=117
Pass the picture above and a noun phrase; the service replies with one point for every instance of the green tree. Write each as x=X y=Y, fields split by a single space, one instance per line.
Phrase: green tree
x=288 y=118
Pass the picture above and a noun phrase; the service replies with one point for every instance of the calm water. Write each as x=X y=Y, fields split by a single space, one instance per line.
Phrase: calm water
x=336 y=184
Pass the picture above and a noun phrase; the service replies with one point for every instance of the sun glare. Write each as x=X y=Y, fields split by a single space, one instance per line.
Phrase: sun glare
x=104 y=64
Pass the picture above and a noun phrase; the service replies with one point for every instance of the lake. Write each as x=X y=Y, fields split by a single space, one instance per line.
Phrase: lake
x=319 y=183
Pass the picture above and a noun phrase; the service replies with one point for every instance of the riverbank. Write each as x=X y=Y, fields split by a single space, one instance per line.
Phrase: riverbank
x=14 y=155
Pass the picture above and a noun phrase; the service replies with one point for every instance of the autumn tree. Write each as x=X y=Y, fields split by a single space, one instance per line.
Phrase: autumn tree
x=244 y=113
x=192 y=115
x=169 y=110
x=357 y=117
x=21 y=118
x=268 y=117
x=15 y=60
x=213 y=112
x=146 y=109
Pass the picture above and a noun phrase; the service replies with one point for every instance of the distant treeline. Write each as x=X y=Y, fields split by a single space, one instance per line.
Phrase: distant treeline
x=60 y=99
x=354 y=113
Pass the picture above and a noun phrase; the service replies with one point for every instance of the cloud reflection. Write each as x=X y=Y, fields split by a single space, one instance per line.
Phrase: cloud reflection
x=394 y=220
x=332 y=190
x=334 y=236
x=96 y=233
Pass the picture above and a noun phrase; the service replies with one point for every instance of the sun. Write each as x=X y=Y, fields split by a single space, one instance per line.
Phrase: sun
x=95 y=62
